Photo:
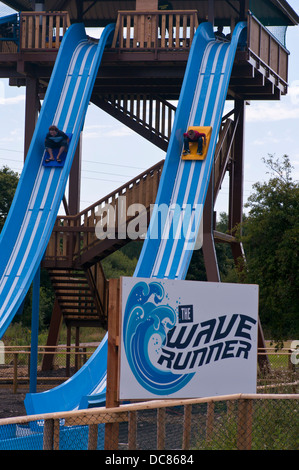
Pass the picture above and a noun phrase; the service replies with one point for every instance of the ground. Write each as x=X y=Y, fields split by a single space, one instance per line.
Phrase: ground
x=12 y=404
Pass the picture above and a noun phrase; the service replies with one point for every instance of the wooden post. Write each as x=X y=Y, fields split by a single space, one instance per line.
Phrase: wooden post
x=92 y=437
x=53 y=336
x=244 y=424
x=31 y=110
x=211 y=12
x=68 y=350
x=51 y=434
x=237 y=171
x=111 y=429
x=77 y=342
x=210 y=420
x=132 y=434
x=187 y=427
x=161 y=414
x=48 y=436
x=15 y=372
x=56 y=434
x=34 y=332
x=75 y=181
x=208 y=246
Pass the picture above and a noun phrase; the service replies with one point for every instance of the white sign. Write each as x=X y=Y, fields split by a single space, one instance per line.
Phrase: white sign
x=186 y=339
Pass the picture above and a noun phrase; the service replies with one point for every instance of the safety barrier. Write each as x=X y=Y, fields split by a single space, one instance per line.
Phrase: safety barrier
x=155 y=30
x=42 y=30
x=240 y=422
x=267 y=54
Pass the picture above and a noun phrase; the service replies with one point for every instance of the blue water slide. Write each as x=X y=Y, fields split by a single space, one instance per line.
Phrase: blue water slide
x=77 y=391
x=13 y=18
x=201 y=103
x=184 y=183
x=32 y=215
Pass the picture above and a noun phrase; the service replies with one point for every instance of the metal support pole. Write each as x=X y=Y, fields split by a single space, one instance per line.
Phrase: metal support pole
x=34 y=331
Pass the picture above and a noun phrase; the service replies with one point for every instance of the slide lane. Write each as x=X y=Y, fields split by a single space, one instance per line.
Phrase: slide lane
x=30 y=221
x=169 y=255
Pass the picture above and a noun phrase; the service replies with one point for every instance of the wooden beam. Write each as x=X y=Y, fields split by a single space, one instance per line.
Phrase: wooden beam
x=112 y=389
x=31 y=110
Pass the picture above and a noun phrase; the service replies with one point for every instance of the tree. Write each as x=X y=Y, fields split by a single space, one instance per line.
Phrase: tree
x=197 y=270
x=270 y=239
x=8 y=184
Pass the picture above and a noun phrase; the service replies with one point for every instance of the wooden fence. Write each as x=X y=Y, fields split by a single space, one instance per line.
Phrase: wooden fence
x=15 y=368
x=138 y=30
x=42 y=30
x=267 y=54
x=209 y=427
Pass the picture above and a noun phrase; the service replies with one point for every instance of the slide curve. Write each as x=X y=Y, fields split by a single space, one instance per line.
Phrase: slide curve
x=183 y=184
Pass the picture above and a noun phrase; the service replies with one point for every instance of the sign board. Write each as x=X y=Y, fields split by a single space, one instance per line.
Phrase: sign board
x=187 y=339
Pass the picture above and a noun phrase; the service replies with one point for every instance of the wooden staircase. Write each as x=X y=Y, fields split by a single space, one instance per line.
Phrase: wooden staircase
x=77 y=292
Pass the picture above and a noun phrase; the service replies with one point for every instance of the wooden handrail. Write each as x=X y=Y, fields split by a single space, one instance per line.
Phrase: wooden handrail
x=155 y=29
x=42 y=30
x=267 y=51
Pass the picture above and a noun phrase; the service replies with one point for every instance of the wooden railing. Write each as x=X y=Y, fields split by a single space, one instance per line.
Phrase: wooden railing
x=153 y=29
x=42 y=30
x=74 y=236
x=267 y=53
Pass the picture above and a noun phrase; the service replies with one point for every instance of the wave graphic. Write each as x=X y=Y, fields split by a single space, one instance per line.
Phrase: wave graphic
x=146 y=323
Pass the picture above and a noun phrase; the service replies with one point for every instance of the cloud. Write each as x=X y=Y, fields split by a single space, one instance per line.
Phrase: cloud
x=294 y=92
x=12 y=100
x=269 y=111
x=99 y=131
x=286 y=108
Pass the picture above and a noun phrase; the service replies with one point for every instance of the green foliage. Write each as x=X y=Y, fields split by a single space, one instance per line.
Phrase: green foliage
x=270 y=238
x=197 y=271
x=8 y=183
x=46 y=301
x=123 y=261
x=273 y=427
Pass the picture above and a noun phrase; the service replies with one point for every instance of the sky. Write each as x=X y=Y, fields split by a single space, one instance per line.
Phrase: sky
x=112 y=154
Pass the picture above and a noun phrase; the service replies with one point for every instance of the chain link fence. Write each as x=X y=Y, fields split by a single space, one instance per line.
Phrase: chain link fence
x=237 y=422
x=66 y=360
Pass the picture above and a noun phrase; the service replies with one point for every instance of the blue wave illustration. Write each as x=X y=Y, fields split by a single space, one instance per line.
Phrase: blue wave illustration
x=146 y=322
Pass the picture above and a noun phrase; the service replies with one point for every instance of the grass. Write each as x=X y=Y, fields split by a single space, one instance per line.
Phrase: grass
x=17 y=335
x=274 y=427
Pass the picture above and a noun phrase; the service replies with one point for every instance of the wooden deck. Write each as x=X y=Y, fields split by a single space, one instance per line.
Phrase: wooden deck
x=141 y=40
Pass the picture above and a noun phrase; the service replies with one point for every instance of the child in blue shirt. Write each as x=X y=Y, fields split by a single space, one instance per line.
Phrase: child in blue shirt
x=56 y=139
